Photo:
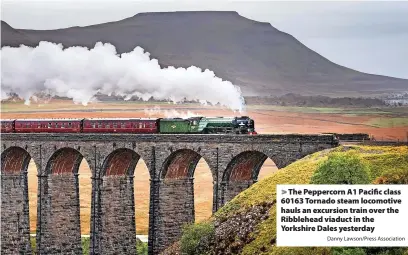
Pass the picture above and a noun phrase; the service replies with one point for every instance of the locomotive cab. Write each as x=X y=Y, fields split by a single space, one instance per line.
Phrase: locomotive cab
x=244 y=125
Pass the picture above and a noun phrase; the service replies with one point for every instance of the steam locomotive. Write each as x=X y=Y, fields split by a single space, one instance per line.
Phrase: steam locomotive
x=193 y=125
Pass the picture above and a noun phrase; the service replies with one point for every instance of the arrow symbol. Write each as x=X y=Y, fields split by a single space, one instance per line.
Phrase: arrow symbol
x=284 y=192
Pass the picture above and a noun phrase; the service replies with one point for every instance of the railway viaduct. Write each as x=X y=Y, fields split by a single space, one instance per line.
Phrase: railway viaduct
x=234 y=161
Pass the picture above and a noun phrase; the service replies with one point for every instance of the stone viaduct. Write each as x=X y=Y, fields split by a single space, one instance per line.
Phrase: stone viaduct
x=234 y=161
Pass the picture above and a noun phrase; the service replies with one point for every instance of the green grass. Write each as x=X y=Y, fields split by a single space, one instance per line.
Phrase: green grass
x=333 y=110
x=389 y=122
x=68 y=104
x=342 y=168
x=197 y=238
x=86 y=241
x=140 y=246
x=380 y=161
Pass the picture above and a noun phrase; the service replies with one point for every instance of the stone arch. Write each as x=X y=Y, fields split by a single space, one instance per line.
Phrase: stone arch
x=180 y=164
x=241 y=172
x=15 y=222
x=60 y=231
x=245 y=166
x=117 y=204
x=14 y=160
x=176 y=194
x=64 y=161
x=121 y=161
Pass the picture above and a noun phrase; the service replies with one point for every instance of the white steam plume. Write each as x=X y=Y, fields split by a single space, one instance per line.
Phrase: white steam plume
x=168 y=113
x=80 y=73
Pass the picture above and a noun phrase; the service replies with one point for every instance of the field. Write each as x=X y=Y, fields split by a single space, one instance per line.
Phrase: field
x=383 y=124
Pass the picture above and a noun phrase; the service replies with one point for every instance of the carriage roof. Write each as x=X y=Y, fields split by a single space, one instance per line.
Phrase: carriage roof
x=50 y=119
x=113 y=119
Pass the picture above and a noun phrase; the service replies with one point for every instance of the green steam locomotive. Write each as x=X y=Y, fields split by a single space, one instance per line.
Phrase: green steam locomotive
x=208 y=125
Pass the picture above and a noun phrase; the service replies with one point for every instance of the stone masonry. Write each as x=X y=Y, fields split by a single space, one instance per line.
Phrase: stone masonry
x=176 y=208
x=230 y=189
x=118 y=216
x=15 y=226
x=234 y=161
x=58 y=227
x=61 y=233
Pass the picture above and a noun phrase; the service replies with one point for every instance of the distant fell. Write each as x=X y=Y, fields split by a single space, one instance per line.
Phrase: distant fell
x=253 y=55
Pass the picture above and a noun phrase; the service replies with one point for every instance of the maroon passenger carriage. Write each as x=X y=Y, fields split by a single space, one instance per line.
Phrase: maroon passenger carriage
x=135 y=126
x=95 y=125
x=7 y=126
x=48 y=125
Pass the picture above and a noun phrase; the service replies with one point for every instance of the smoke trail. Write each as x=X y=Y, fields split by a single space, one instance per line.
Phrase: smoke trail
x=156 y=111
x=80 y=73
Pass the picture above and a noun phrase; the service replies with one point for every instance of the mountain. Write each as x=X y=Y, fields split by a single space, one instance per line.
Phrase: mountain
x=254 y=55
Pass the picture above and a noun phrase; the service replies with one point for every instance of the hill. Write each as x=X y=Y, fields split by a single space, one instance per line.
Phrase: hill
x=254 y=55
x=247 y=224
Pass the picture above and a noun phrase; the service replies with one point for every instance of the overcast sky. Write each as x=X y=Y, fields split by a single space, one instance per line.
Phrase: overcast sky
x=367 y=36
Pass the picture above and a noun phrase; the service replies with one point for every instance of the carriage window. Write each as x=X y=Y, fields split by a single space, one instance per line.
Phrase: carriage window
x=93 y=124
x=115 y=125
x=194 y=122
x=49 y=124
x=56 y=124
x=99 y=124
x=122 y=124
x=69 y=124
x=140 y=125
x=151 y=124
x=107 y=125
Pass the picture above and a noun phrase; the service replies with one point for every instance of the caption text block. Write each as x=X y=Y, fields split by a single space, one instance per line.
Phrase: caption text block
x=342 y=215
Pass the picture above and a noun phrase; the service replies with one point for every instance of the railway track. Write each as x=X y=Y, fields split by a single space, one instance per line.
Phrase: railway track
x=373 y=143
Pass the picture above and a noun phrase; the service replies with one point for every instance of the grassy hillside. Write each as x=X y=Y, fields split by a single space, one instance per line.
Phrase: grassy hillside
x=384 y=165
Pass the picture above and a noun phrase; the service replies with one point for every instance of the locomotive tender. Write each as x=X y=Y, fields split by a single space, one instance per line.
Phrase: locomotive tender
x=193 y=125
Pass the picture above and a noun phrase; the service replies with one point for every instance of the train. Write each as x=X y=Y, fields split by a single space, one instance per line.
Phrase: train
x=351 y=136
x=192 y=125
